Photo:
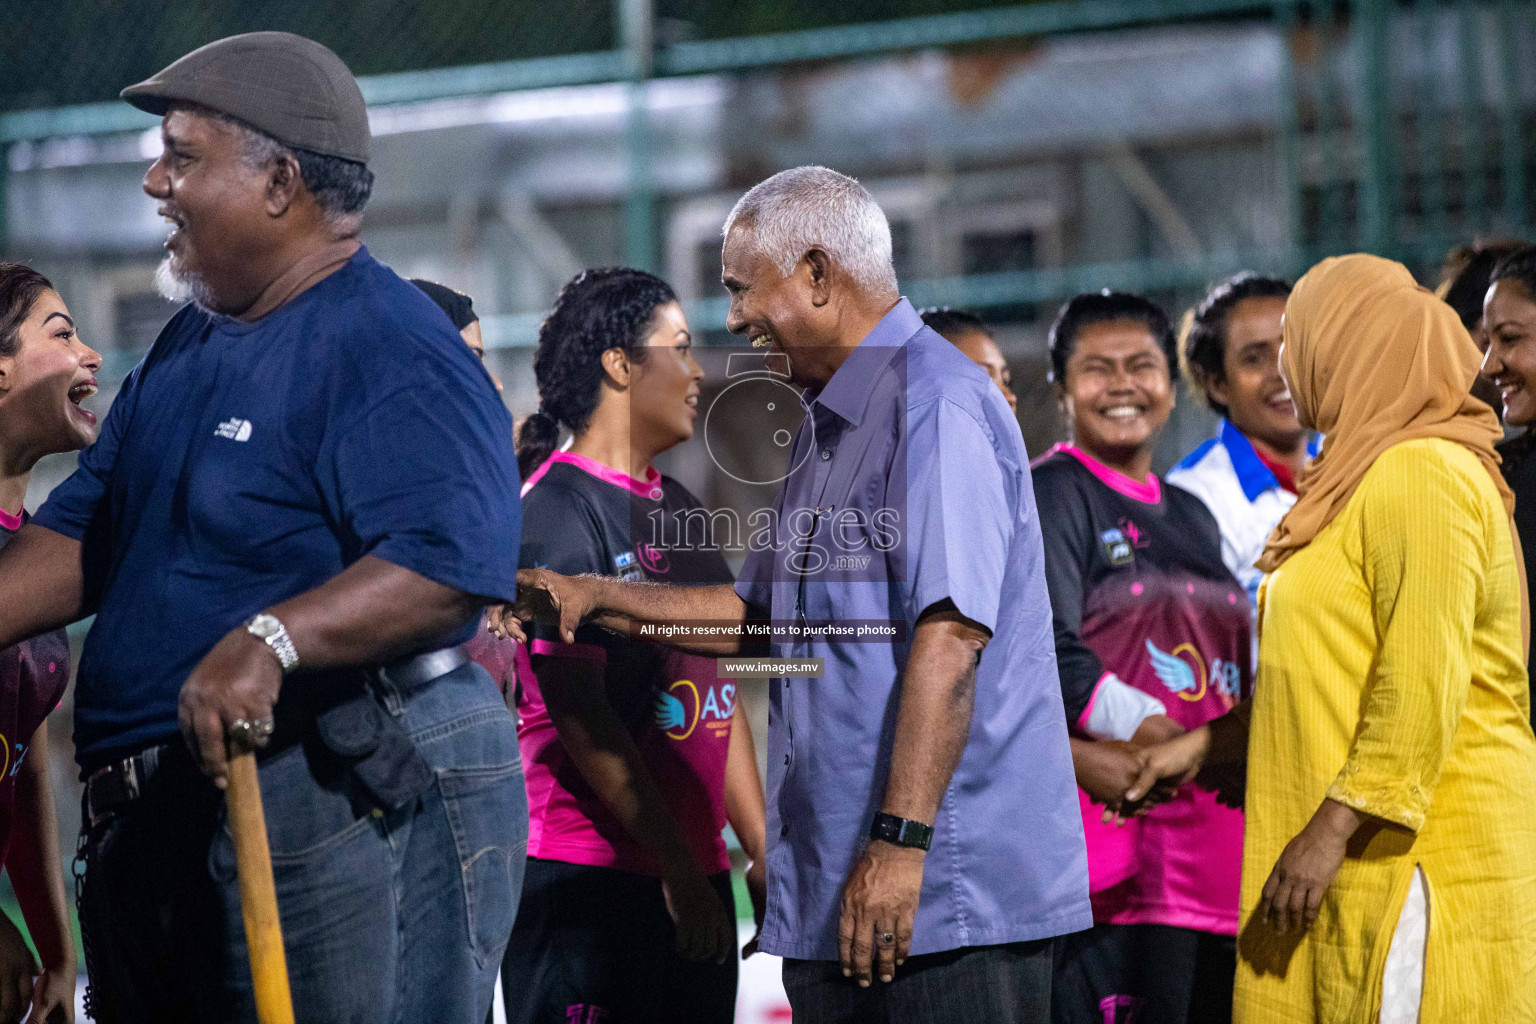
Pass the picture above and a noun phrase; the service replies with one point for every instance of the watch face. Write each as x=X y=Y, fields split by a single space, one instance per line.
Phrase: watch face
x=264 y=626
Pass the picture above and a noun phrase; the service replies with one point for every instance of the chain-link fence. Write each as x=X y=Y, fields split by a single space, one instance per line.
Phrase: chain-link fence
x=1023 y=151
x=1413 y=124
x=1403 y=123
x=80 y=51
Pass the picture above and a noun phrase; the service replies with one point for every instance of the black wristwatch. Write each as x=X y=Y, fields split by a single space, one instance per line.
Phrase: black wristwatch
x=901 y=831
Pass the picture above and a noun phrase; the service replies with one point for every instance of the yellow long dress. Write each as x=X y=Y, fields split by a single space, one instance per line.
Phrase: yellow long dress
x=1391 y=679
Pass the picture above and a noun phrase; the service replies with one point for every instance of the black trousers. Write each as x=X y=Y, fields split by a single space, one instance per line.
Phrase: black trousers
x=1008 y=984
x=1143 y=974
x=151 y=912
x=594 y=946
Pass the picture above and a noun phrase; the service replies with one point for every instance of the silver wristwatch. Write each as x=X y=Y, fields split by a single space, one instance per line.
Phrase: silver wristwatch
x=274 y=634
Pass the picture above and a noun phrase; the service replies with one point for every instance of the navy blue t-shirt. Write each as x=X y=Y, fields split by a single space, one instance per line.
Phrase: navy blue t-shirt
x=243 y=464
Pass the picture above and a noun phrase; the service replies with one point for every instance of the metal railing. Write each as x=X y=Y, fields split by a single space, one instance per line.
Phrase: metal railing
x=1403 y=127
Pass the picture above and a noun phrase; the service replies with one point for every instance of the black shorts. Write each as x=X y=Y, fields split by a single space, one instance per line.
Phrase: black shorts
x=1143 y=974
x=594 y=946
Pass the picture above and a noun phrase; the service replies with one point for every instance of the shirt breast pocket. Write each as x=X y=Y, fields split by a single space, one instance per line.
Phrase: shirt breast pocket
x=857 y=537
x=850 y=553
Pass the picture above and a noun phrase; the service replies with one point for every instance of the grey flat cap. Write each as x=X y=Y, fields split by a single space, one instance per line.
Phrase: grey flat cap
x=292 y=88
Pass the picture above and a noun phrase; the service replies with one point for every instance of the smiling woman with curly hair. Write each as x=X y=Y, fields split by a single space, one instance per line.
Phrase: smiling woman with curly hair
x=637 y=754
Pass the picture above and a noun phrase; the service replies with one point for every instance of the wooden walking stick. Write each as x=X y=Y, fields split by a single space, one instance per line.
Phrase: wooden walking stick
x=258 y=893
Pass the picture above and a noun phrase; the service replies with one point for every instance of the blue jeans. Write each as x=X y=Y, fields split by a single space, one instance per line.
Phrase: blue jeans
x=398 y=917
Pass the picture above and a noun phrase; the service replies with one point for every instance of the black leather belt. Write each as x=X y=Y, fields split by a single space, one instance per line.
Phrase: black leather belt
x=112 y=787
x=414 y=673
x=115 y=786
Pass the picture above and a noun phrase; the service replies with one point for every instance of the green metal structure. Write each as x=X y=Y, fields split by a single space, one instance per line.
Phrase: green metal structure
x=1375 y=161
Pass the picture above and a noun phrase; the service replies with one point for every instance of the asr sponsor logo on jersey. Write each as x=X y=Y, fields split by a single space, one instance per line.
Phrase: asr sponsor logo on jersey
x=680 y=708
x=1186 y=676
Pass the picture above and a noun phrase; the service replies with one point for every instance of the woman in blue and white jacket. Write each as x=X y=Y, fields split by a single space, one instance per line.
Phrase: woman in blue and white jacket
x=1246 y=474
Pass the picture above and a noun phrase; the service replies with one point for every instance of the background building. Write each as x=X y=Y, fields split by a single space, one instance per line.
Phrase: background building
x=1022 y=152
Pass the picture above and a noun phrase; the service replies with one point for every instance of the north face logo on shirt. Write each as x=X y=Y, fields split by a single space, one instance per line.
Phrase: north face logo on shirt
x=234 y=429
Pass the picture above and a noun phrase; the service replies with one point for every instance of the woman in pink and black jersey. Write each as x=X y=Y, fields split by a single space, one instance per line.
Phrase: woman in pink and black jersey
x=1152 y=638
x=637 y=755
x=45 y=373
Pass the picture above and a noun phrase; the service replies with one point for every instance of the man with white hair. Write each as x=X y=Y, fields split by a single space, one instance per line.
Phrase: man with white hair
x=924 y=838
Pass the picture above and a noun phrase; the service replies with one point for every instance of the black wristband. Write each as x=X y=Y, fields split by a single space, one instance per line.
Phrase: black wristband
x=901 y=831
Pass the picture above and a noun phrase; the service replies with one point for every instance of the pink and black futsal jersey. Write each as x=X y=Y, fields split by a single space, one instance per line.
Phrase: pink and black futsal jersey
x=582 y=517
x=1139 y=591
x=33 y=675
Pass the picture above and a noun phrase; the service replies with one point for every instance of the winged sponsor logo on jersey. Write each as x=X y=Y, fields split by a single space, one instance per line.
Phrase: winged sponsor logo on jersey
x=10 y=762
x=1116 y=547
x=1188 y=678
x=1177 y=674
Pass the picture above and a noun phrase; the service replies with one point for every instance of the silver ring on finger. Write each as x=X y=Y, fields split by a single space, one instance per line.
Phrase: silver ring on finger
x=886 y=938
x=248 y=734
x=242 y=732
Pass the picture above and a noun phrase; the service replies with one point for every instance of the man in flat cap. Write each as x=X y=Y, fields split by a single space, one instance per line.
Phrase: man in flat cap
x=298 y=505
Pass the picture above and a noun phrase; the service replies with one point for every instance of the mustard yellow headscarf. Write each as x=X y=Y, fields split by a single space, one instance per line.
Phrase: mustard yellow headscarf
x=1373 y=360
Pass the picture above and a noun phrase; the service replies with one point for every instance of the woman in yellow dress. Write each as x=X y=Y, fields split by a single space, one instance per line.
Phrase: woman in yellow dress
x=1389 y=860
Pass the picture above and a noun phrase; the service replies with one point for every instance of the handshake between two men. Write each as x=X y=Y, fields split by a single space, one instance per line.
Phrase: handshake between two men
x=1126 y=777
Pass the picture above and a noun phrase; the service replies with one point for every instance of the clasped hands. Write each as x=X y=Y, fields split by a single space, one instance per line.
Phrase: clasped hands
x=1128 y=778
x=543 y=596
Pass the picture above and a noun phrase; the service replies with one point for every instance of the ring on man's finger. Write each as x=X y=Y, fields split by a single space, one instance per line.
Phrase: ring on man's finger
x=886 y=938
x=249 y=734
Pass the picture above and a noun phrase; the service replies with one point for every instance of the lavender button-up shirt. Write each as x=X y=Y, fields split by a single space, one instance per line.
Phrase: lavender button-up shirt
x=911 y=485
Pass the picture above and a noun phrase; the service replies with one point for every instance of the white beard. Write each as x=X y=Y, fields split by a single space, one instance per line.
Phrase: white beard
x=176 y=285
